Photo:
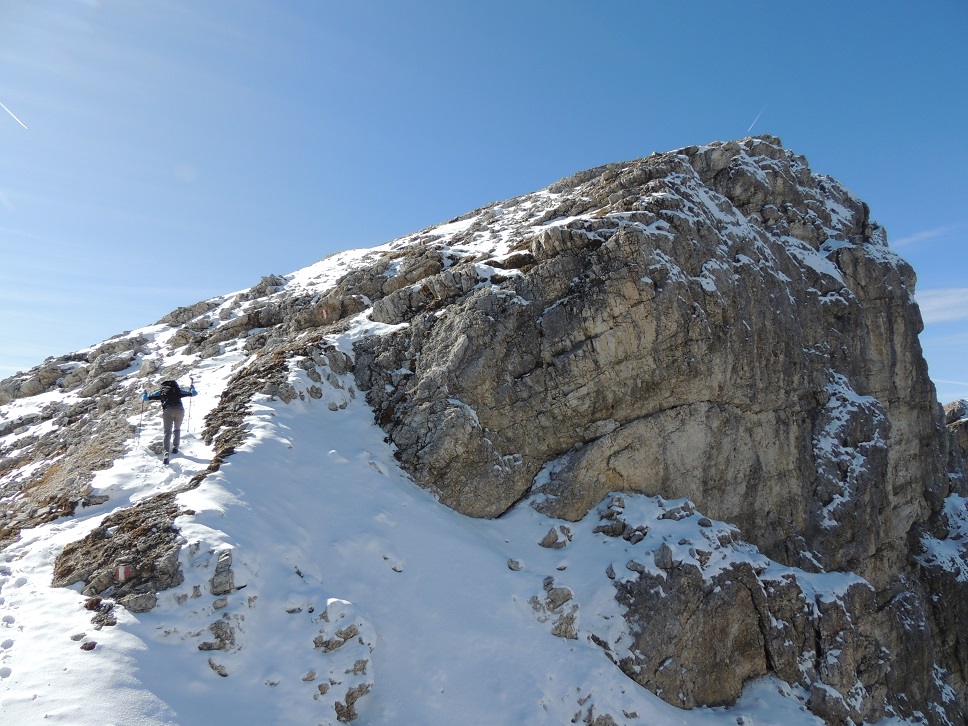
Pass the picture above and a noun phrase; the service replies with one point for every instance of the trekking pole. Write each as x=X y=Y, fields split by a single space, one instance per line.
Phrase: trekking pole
x=140 y=418
x=191 y=380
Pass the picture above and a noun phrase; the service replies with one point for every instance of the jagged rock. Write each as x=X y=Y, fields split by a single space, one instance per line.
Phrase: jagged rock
x=110 y=363
x=556 y=538
x=103 y=612
x=339 y=638
x=956 y=419
x=222 y=583
x=224 y=562
x=345 y=641
x=183 y=337
x=676 y=618
x=224 y=636
x=182 y=315
x=266 y=286
x=718 y=324
x=346 y=709
x=565 y=625
x=551 y=607
x=663 y=557
x=97 y=386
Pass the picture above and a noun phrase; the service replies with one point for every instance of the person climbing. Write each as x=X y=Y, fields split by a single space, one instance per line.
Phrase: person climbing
x=172 y=411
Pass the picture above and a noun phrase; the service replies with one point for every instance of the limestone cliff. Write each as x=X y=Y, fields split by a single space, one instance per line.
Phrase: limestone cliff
x=717 y=325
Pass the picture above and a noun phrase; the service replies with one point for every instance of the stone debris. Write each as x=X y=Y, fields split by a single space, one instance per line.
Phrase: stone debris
x=345 y=642
x=557 y=538
x=224 y=635
x=220 y=669
x=551 y=607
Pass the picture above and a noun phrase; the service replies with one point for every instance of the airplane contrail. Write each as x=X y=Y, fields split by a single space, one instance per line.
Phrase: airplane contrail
x=21 y=122
x=756 y=119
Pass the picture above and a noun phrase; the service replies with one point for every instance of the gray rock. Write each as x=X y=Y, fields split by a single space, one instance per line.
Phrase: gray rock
x=663 y=557
x=222 y=583
x=140 y=602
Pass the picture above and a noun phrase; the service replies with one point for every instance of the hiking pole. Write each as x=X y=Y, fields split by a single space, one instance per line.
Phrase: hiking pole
x=191 y=380
x=140 y=418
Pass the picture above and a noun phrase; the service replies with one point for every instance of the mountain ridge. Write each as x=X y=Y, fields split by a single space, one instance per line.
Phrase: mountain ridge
x=713 y=340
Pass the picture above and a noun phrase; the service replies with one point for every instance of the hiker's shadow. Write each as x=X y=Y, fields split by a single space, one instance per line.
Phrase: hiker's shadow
x=184 y=463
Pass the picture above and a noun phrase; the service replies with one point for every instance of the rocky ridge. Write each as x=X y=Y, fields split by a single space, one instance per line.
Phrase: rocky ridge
x=717 y=328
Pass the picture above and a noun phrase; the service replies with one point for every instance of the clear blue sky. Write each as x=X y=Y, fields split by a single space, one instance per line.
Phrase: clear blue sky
x=175 y=150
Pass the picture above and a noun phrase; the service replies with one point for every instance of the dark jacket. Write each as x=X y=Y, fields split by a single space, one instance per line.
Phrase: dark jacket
x=170 y=396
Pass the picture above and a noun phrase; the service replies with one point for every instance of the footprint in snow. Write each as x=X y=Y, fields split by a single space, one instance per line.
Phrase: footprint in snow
x=378 y=467
x=338 y=457
x=395 y=564
x=5 y=672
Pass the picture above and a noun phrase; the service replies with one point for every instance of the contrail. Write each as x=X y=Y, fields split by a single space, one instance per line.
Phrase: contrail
x=25 y=125
x=751 y=125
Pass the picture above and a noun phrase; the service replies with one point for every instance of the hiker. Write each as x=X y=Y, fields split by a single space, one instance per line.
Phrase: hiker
x=172 y=411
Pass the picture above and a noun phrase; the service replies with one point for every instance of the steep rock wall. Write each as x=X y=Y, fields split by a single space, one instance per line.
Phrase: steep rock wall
x=717 y=323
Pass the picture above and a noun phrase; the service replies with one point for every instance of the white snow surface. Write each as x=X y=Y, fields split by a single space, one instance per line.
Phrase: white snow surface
x=326 y=531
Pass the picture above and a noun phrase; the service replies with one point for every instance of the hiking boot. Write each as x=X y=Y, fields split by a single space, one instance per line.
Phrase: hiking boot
x=174 y=450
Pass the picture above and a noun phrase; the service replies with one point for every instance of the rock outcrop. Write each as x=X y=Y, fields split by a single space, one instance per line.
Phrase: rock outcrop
x=717 y=323
x=716 y=326
x=956 y=418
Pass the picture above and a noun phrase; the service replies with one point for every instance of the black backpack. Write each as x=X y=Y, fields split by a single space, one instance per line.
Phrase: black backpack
x=170 y=393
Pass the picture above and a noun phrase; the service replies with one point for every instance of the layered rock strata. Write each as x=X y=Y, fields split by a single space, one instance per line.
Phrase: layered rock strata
x=717 y=323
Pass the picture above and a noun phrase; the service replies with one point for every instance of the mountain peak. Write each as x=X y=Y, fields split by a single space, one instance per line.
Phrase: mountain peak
x=584 y=434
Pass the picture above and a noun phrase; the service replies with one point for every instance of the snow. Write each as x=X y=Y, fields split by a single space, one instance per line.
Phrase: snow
x=843 y=408
x=813 y=259
x=948 y=553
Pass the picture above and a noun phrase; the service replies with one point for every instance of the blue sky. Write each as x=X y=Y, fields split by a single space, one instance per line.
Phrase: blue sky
x=160 y=152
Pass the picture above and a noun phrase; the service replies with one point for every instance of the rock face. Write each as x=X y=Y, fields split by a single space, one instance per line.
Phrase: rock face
x=956 y=418
x=718 y=326
x=717 y=323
